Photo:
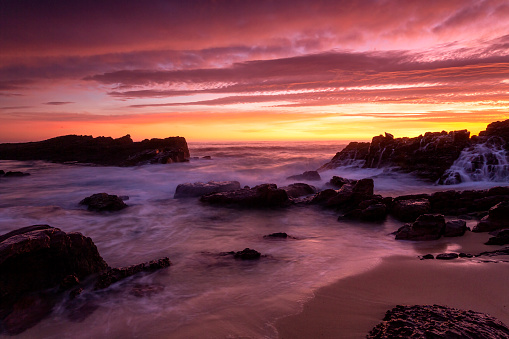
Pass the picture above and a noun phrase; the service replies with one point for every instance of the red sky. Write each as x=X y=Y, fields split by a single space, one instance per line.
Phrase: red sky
x=251 y=70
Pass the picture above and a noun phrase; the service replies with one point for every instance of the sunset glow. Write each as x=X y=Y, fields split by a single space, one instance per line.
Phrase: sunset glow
x=264 y=70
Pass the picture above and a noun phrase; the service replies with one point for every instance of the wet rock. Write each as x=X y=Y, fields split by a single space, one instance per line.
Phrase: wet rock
x=299 y=189
x=265 y=195
x=501 y=238
x=435 y=321
x=455 y=228
x=447 y=256
x=426 y=227
x=247 y=254
x=410 y=209
x=504 y=251
x=27 y=312
x=354 y=154
x=306 y=176
x=465 y=255
x=497 y=218
x=101 y=150
x=427 y=257
x=14 y=174
x=198 y=189
x=338 y=182
x=113 y=275
x=497 y=129
x=278 y=235
x=103 y=202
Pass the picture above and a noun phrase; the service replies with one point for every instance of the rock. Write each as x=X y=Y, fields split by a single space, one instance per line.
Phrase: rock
x=447 y=256
x=435 y=321
x=426 y=227
x=465 y=255
x=354 y=154
x=2 y=173
x=299 y=189
x=278 y=235
x=306 y=176
x=375 y=212
x=145 y=290
x=497 y=129
x=410 y=209
x=501 y=238
x=113 y=275
x=198 y=189
x=103 y=202
x=338 y=182
x=497 y=218
x=101 y=150
x=265 y=195
x=11 y=174
x=427 y=257
x=504 y=251
x=247 y=254
x=455 y=228
x=33 y=259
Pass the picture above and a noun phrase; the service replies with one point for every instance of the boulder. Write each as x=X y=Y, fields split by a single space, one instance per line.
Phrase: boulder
x=103 y=202
x=338 y=182
x=455 y=228
x=410 y=209
x=497 y=218
x=265 y=195
x=306 y=176
x=299 y=189
x=197 y=189
x=426 y=227
x=435 y=321
x=501 y=238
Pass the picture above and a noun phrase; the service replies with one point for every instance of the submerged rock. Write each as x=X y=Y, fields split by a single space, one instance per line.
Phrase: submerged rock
x=264 y=195
x=435 y=321
x=103 y=202
x=198 y=189
x=306 y=176
x=245 y=254
x=426 y=227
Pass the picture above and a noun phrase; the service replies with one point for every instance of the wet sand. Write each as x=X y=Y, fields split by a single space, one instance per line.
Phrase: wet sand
x=351 y=307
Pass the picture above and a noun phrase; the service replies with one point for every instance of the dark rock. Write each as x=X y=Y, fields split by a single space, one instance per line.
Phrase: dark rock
x=497 y=129
x=465 y=255
x=2 y=173
x=306 y=176
x=69 y=282
x=27 y=312
x=455 y=228
x=435 y=321
x=497 y=218
x=410 y=209
x=207 y=157
x=11 y=174
x=198 y=189
x=101 y=150
x=278 y=235
x=247 y=254
x=113 y=275
x=322 y=197
x=265 y=195
x=299 y=189
x=447 y=256
x=375 y=212
x=502 y=238
x=338 y=182
x=426 y=227
x=354 y=154
x=504 y=251
x=427 y=256
x=103 y=202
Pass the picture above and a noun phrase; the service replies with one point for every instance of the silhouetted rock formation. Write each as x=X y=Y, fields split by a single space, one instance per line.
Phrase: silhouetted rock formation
x=100 y=151
x=426 y=227
x=103 y=202
x=299 y=189
x=13 y=174
x=265 y=195
x=430 y=156
x=306 y=176
x=435 y=321
x=197 y=189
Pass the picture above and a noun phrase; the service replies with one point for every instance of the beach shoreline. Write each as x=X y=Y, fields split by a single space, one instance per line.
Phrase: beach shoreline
x=352 y=306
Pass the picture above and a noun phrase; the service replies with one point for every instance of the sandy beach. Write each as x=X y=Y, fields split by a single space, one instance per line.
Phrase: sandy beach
x=351 y=307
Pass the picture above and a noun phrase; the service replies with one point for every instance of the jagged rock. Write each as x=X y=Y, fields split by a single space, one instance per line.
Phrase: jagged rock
x=265 y=195
x=426 y=227
x=338 y=182
x=101 y=150
x=322 y=197
x=36 y=258
x=354 y=154
x=113 y=275
x=299 y=189
x=13 y=174
x=198 y=189
x=447 y=256
x=410 y=209
x=501 y=238
x=306 y=176
x=455 y=228
x=435 y=321
x=497 y=129
x=497 y=218
x=103 y=202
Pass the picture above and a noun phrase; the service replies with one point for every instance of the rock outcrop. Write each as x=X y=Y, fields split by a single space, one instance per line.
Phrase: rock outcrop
x=100 y=151
x=435 y=321
x=261 y=196
x=306 y=176
x=197 y=189
x=103 y=202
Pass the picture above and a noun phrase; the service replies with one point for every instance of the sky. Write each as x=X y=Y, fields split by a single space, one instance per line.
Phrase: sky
x=251 y=70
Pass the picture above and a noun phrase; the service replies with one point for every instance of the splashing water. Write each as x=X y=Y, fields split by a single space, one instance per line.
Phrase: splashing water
x=481 y=162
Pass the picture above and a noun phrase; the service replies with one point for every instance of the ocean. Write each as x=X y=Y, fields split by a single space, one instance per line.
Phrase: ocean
x=204 y=294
